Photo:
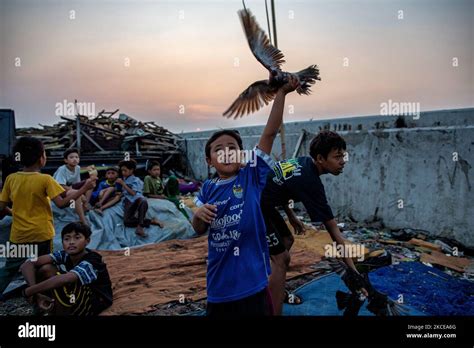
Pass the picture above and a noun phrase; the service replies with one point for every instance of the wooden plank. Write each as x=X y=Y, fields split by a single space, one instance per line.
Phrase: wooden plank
x=456 y=263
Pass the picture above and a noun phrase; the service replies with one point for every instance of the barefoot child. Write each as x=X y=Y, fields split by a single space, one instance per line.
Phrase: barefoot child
x=108 y=192
x=72 y=281
x=229 y=207
x=31 y=193
x=134 y=203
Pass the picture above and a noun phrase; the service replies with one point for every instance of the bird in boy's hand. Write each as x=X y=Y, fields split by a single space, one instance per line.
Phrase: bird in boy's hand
x=261 y=92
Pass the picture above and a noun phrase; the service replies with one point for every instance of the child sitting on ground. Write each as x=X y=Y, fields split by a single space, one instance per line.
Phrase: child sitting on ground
x=153 y=187
x=108 y=192
x=69 y=177
x=31 y=193
x=133 y=201
x=72 y=281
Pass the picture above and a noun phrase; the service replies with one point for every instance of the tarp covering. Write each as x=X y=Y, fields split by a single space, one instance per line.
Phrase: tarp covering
x=170 y=271
x=319 y=299
x=426 y=288
x=108 y=231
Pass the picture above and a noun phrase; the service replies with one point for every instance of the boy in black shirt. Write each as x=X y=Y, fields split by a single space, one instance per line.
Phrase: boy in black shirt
x=297 y=180
x=73 y=281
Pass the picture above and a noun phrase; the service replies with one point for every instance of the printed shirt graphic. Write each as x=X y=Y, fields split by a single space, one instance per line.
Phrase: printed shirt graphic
x=238 y=261
x=91 y=271
x=298 y=179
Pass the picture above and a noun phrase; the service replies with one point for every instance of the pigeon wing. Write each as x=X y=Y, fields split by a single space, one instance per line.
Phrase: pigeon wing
x=252 y=99
x=268 y=55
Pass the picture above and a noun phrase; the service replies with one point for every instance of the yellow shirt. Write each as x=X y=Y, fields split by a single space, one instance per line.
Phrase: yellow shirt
x=30 y=193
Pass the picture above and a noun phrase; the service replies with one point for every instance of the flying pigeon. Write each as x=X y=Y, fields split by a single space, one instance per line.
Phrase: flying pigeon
x=261 y=92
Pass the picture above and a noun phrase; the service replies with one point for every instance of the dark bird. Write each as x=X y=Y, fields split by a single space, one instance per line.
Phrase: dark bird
x=378 y=303
x=261 y=92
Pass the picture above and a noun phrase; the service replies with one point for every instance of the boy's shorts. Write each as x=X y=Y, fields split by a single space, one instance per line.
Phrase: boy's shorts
x=80 y=299
x=276 y=229
x=259 y=304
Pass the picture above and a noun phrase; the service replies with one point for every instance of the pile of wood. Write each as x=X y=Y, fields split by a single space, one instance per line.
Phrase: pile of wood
x=105 y=134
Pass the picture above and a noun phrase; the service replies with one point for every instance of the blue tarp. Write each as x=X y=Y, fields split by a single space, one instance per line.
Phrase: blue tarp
x=426 y=288
x=108 y=231
x=426 y=291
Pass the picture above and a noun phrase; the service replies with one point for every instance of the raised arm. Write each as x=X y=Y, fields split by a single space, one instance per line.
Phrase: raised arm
x=276 y=116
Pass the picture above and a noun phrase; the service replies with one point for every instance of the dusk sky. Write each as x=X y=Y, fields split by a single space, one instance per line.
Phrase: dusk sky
x=183 y=53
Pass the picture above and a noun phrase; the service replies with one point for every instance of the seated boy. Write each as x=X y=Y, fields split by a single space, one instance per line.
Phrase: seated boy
x=229 y=206
x=153 y=187
x=72 y=281
x=69 y=177
x=108 y=192
x=30 y=193
x=133 y=201
x=298 y=180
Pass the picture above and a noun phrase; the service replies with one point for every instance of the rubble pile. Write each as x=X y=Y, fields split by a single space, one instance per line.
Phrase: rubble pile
x=105 y=134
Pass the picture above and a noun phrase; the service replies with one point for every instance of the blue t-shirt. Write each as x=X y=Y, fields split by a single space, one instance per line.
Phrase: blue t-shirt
x=238 y=261
x=136 y=185
x=103 y=185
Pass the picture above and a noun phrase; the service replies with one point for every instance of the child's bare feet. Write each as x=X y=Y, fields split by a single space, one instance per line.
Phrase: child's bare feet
x=157 y=223
x=140 y=232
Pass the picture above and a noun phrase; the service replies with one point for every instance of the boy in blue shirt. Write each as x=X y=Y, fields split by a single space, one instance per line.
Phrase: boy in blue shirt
x=108 y=192
x=135 y=206
x=229 y=207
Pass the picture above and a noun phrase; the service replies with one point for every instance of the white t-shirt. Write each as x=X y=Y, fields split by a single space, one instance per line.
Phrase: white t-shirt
x=65 y=177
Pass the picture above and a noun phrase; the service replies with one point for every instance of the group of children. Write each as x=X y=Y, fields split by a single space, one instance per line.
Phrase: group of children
x=129 y=189
x=248 y=239
x=75 y=271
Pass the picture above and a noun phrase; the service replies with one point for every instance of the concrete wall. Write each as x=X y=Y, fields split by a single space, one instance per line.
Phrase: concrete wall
x=389 y=167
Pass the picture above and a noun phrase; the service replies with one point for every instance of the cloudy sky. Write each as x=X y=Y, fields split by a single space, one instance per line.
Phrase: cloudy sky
x=181 y=63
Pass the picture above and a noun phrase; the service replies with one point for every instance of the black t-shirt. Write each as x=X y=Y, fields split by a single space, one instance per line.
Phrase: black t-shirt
x=297 y=179
x=91 y=270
